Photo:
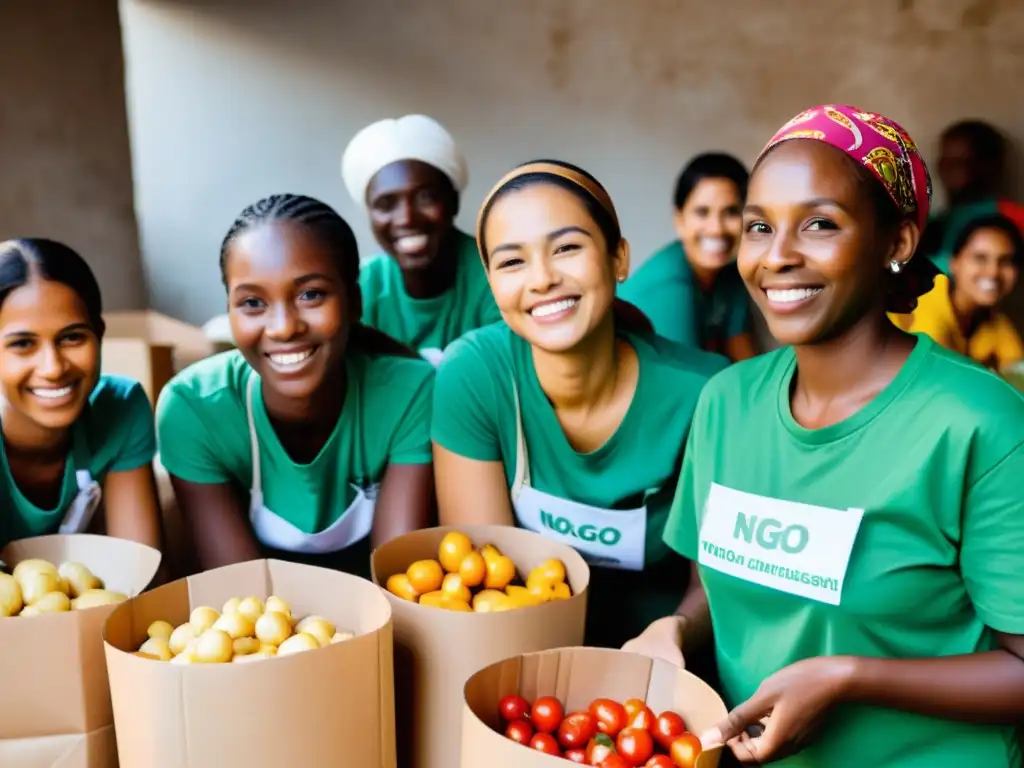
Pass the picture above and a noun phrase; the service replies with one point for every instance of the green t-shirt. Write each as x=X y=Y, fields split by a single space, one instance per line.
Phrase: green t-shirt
x=665 y=289
x=474 y=416
x=204 y=434
x=935 y=462
x=428 y=323
x=114 y=434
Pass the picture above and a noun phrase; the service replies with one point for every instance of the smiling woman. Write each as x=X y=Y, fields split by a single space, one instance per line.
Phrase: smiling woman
x=311 y=440
x=853 y=499
x=427 y=288
x=570 y=419
x=77 y=445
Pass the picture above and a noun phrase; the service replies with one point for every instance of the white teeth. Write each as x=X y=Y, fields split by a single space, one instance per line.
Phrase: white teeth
x=714 y=244
x=988 y=285
x=52 y=394
x=411 y=243
x=292 y=358
x=791 y=295
x=544 y=310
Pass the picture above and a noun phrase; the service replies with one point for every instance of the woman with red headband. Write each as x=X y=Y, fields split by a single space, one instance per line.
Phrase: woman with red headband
x=569 y=418
x=852 y=499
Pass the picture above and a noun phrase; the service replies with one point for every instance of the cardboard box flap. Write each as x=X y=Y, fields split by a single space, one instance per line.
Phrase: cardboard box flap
x=188 y=341
x=97 y=749
x=309 y=708
x=577 y=676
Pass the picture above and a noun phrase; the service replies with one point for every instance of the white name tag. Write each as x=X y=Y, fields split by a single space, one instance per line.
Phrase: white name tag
x=797 y=548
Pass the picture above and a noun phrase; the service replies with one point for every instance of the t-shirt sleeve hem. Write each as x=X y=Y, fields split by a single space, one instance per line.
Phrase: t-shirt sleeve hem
x=423 y=457
x=1010 y=625
x=475 y=452
x=134 y=462
x=193 y=477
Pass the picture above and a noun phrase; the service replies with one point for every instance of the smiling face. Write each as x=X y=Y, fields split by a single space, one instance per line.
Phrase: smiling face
x=50 y=361
x=289 y=308
x=412 y=206
x=549 y=267
x=812 y=253
x=984 y=270
x=708 y=224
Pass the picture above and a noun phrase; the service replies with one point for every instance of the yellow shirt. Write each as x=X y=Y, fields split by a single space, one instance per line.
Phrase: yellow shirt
x=995 y=343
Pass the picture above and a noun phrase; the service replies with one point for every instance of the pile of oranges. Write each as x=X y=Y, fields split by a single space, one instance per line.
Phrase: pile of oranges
x=464 y=578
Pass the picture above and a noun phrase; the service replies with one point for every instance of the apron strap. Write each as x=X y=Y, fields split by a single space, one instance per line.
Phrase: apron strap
x=82 y=509
x=522 y=474
x=80 y=458
x=256 y=490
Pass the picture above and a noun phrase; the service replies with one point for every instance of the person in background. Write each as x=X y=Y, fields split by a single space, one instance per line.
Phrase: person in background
x=690 y=289
x=852 y=499
x=427 y=288
x=311 y=440
x=972 y=166
x=573 y=412
x=960 y=311
x=77 y=444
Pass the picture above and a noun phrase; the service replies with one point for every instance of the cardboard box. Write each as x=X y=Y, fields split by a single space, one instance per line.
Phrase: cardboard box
x=55 y=709
x=332 y=706
x=437 y=650
x=577 y=676
x=151 y=347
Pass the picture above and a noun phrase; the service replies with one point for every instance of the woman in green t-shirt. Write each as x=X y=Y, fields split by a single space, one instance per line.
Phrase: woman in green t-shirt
x=311 y=440
x=853 y=499
x=569 y=418
x=690 y=289
x=77 y=445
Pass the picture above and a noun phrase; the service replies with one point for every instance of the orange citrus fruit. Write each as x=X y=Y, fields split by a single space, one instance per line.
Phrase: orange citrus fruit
x=425 y=575
x=490 y=552
x=453 y=587
x=454 y=547
x=433 y=599
x=500 y=572
x=491 y=601
x=472 y=569
x=400 y=586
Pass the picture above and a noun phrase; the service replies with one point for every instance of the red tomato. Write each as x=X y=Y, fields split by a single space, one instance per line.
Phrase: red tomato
x=599 y=748
x=610 y=716
x=577 y=730
x=545 y=742
x=638 y=714
x=547 y=714
x=660 y=761
x=514 y=707
x=580 y=756
x=667 y=728
x=636 y=745
x=684 y=750
x=519 y=731
x=614 y=761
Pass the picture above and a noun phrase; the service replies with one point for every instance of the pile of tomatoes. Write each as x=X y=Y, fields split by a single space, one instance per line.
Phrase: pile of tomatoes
x=607 y=734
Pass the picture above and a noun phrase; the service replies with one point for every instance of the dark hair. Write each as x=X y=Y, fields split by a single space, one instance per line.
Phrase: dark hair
x=25 y=258
x=997 y=222
x=986 y=140
x=334 y=232
x=627 y=316
x=710 y=165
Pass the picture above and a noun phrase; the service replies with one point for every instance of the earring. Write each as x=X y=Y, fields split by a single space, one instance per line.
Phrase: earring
x=621 y=278
x=895 y=266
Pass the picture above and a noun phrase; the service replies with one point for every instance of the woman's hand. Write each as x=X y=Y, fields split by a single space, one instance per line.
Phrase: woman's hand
x=790 y=704
x=663 y=639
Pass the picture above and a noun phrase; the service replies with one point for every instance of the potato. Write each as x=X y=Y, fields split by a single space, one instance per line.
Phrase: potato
x=251 y=608
x=157 y=646
x=35 y=584
x=29 y=611
x=273 y=628
x=235 y=625
x=231 y=606
x=34 y=564
x=93 y=598
x=243 y=646
x=275 y=603
x=203 y=618
x=317 y=626
x=214 y=647
x=160 y=629
x=11 y=602
x=341 y=637
x=79 y=578
x=53 y=602
x=181 y=637
x=297 y=644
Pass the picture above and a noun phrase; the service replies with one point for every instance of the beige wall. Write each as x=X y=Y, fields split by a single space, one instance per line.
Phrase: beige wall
x=233 y=99
x=65 y=164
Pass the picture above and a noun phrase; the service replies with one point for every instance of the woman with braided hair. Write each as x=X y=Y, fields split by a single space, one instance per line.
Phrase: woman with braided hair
x=852 y=500
x=311 y=440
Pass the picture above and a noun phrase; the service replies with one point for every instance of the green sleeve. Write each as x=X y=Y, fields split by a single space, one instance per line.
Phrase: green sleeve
x=138 y=446
x=737 y=320
x=465 y=405
x=683 y=524
x=666 y=302
x=411 y=444
x=185 y=441
x=992 y=542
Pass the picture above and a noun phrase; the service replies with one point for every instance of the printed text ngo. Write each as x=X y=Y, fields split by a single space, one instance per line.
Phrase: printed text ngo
x=608 y=536
x=770 y=533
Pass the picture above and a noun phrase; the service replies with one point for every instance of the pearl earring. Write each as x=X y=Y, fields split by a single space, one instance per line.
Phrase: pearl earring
x=895 y=267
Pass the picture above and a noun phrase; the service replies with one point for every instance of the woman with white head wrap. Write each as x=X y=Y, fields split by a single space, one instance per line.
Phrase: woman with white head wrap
x=428 y=287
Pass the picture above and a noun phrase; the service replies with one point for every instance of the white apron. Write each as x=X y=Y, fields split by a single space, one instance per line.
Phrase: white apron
x=83 y=507
x=274 y=531
x=611 y=538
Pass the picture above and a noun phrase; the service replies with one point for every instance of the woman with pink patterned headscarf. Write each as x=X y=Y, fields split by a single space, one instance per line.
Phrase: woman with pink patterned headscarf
x=852 y=502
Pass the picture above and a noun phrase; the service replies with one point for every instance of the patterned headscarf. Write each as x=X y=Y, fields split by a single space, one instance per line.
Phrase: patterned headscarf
x=873 y=141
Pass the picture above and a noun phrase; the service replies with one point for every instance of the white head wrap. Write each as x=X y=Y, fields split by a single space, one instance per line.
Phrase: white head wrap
x=413 y=137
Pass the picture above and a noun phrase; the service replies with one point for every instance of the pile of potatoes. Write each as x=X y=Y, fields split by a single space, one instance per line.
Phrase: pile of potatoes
x=245 y=629
x=36 y=587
